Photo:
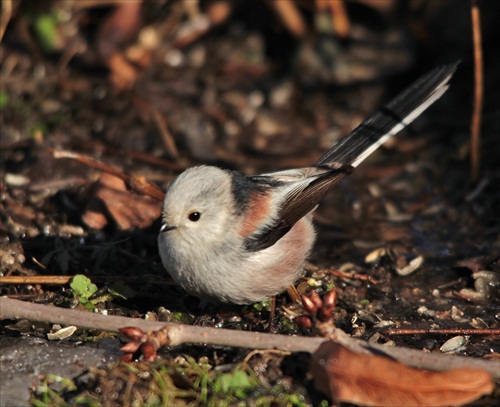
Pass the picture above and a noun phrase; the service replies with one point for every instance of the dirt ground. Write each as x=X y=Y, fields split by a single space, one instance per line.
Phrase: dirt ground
x=414 y=241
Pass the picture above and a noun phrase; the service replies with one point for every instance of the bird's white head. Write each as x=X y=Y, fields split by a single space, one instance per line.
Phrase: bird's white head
x=198 y=206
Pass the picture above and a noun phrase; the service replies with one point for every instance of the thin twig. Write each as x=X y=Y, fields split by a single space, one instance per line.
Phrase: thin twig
x=161 y=124
x=177 y=165
x=478 y=91
x=61 y=280
x=136 y=183
x=54 y=280
x=182 y=334
x=352 y=276
x=457 y=331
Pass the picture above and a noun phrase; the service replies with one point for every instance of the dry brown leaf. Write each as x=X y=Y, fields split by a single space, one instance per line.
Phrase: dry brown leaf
x=379 y=381
x=118 y=29
x=122 y=74
x=127 y=209
x=95 y=214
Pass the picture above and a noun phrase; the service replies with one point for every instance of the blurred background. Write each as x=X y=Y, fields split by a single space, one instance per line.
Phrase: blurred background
x=153 y=87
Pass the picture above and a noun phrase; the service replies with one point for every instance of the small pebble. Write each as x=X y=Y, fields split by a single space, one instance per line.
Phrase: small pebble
x=149 y=38
x=280 y=96
x=16 y=180
x=423 y=310
x=197 y=56
x=174 y=58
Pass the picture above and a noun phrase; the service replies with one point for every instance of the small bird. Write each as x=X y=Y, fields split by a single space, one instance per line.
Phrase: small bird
x=232 y=238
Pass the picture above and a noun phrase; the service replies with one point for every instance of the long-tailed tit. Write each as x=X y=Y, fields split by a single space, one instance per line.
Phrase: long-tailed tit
x=228 y=237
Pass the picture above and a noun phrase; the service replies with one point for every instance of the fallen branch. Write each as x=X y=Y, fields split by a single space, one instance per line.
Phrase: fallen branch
x=179 y=334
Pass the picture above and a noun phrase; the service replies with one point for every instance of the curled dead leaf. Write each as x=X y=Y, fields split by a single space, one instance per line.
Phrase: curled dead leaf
x=128 y=210
x=379 y=381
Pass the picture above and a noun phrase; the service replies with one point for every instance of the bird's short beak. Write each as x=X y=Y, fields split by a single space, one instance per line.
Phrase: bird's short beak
x=165 y=228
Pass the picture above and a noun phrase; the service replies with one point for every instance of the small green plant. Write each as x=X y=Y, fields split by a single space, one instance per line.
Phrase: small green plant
x=121 y=290
x=83 y=289
x=183 y=381
x=235 y=385
x=46 y=396
x=263 y=305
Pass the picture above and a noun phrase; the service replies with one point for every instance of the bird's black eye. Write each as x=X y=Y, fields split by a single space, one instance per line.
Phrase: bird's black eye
x=194 y=216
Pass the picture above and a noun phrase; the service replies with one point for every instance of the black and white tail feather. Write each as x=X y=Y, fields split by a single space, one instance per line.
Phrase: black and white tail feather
x=298 y=191
x=390 y=119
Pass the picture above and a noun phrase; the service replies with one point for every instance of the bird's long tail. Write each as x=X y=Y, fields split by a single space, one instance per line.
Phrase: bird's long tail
x=390 y=119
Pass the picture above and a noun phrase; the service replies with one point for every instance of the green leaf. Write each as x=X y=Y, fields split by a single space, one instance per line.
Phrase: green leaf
x=330 y=286
x=263 y=305
x=45 y=27
x=4 y=99
x=121 y=290
x=235 y=384
x=82 y=287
